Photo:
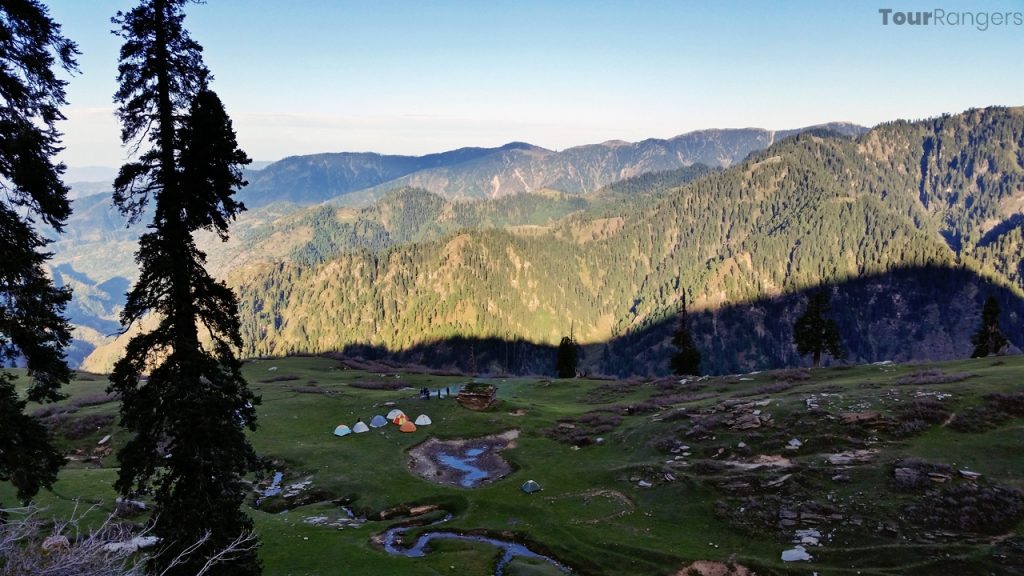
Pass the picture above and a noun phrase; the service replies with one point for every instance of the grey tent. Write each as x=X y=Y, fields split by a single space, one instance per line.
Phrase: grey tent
x=360 y=427
x=423 y=420
x=395 y=413
x=378 y=421
x=530 y=487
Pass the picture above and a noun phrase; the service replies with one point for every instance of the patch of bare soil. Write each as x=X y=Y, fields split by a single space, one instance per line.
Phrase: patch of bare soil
x=424 y=459
x=710 y=568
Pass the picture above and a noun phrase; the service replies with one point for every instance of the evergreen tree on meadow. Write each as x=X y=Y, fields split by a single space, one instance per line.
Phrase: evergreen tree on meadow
x=33 y=329
x=686 y=359
x=567 y=358
x=989 y=339
x=815 y=333
x=188 y=418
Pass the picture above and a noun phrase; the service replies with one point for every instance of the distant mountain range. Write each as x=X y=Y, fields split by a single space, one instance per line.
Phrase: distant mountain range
x=909 y=225
x=480 y=173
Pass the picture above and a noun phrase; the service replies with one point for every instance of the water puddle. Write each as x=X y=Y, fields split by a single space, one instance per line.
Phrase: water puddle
x=473 y=475
x=273 y=490
x=465 y=463
x=510 y=550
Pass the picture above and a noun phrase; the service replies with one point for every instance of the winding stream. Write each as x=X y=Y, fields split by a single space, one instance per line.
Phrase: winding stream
x=418 y=550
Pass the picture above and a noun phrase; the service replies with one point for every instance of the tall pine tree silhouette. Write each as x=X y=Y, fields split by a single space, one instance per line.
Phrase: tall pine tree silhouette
x=189 y=416
x=686 y=360
x=815 y=333
x=32 y=326
x=989 y=339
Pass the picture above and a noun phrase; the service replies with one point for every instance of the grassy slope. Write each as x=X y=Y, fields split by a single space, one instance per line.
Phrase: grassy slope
x=657 y=530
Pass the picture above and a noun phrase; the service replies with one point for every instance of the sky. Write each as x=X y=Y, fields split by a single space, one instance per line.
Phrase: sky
x=421 y=76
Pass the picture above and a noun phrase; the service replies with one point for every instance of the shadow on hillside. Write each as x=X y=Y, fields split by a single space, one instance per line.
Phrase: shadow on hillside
x=910 y=314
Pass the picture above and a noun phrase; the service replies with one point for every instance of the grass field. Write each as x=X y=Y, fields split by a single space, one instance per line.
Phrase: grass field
x=680 y=473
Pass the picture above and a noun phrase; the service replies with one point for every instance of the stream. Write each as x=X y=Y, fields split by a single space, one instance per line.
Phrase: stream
x=418 y=550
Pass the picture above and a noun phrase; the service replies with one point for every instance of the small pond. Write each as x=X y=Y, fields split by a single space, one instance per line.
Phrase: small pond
x=464 y=463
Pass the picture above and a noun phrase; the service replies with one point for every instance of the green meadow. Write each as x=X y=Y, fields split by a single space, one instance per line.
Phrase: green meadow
x=639 y=477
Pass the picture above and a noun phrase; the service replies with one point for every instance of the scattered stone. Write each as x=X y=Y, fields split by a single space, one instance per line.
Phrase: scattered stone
x=128 y=503
x=796 y=554
x=860 y=417
x=103 y=440
x=844 y=478
x=809 y=537
x=794 y=444
x=133 y=545
x=970 y=475
x=747 y=422
x=599 y=440
x=845 y=458
x=644 y=484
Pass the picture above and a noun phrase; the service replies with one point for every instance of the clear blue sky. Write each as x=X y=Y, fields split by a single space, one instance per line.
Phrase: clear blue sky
x=414 y=77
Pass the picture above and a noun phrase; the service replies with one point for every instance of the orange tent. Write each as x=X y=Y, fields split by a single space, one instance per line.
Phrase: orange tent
x=400 y=419
x=408 y=427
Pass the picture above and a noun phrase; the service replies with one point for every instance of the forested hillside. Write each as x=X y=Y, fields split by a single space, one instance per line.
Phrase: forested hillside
x=813 y=209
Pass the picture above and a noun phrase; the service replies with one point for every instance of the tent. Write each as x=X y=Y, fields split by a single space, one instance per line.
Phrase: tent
x=400 y=419
x=360 y=427
x=423 y=420
x=530 y=487
x=395 y=413
x=378 y=421
x=342 y=430
x=408 y=426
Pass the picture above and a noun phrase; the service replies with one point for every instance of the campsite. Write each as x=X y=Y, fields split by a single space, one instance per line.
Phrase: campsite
x=636 y=477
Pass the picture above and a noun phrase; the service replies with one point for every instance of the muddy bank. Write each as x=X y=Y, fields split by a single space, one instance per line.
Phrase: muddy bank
x=464 y=463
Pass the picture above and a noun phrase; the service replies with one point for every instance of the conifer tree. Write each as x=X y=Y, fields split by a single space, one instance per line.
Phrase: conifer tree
x=189 y=416
x=686 y=359
x=32 y=326
x=567 y=358
x=989 y=339
x=815 y=333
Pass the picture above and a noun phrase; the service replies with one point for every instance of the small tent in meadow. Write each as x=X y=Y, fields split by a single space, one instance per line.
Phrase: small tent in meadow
x=408 y=426
x=395 y=413
x=342 y=430
x=423 y=420
x=530 y=487
x=400 y=419
x=360 y=427
x=378 y=421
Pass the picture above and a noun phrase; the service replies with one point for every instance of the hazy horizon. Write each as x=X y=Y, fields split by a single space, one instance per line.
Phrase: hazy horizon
x=401 y=78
